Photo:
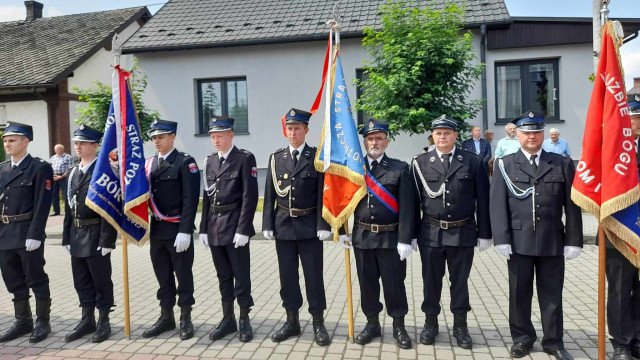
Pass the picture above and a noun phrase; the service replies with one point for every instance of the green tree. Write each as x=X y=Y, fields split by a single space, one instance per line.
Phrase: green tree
x=96 y=107
x=421 y=67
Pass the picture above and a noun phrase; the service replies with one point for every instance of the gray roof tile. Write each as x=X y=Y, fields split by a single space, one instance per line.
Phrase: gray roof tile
x=211 y=23
x=44 y=51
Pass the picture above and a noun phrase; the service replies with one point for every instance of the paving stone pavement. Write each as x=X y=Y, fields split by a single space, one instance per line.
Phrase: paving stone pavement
x=488 y=323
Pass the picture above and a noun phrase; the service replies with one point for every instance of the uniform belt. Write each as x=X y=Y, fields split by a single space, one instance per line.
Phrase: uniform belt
x=375 y=228
x=85 y=222
x=293 y=212
x=225 y=208
x=169 y=214
x=444 y=225
x=7 y=219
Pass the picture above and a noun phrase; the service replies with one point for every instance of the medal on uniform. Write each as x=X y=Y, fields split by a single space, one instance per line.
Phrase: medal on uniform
x=286 y=176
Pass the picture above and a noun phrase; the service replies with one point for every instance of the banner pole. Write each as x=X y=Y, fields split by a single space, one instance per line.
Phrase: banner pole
x=125 y=283
x=347 y=264
x=602 y=261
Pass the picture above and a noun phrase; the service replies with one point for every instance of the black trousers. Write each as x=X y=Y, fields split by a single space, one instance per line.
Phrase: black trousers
x=623 y=304
x=167 y=262
x=385 y=264
x=234 y=273
x=92 y=280
x=549 y=273
x=459 y=261
x=309 y=252
x=55 y=200
x=23 y=270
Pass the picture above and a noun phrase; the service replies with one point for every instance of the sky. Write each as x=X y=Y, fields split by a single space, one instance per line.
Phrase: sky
x=14 y=10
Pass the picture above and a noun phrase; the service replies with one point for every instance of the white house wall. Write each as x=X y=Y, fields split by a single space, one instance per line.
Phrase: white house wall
x=33 y=113
x=574 y=67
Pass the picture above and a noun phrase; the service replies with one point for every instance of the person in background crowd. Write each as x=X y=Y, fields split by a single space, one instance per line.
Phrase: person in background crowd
x=61 y=162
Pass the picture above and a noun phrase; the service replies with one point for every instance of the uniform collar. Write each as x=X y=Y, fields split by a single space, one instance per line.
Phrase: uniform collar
x=226 y=155
x=528 y=156
x=165 y=156
x=440 y=153
x=370 y=159
x=86 y=167
x=291 y=148
x=19 y=161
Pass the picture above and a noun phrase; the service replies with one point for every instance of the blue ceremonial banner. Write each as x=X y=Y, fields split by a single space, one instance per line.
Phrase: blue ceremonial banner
x=340 y=155
x=119 y=189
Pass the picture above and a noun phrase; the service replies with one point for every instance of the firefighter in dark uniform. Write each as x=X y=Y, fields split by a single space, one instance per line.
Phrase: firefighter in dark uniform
x=623 y=304
x=293 y=216
x=383 y=227
x=529 y=191
x=453 y=187
x=229 y=203
x=175 y=186
x=25 y=197
x=89 y=239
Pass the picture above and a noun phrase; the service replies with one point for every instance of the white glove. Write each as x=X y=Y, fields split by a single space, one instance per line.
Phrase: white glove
x=183 y=240
x=31 y=244
x=572 y=252
x=345 y=242
x=204 y=240
x=105 y=251
x=67 y=248
x=483 y=244
x=404 y=250
x=414 y=244
x=240 y=240
x=323 y=234
x=268 y=234
x=504 y=249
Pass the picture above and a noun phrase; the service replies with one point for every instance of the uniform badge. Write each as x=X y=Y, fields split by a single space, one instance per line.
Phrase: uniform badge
x=371 y=124
x=254 y=172
x=214 y=119
x=47 y=184
x=279 y=182
x=193 y=168
x=432 y=159
x=459 y=157
x=531 y=114
x=637 y=97
x=81 y=126
x=155 y=122
x=292 y=112
x=443 y=117
x=286 y=176
x=8 y=124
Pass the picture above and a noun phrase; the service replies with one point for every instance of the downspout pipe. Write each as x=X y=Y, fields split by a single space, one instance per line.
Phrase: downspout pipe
x=483 y=61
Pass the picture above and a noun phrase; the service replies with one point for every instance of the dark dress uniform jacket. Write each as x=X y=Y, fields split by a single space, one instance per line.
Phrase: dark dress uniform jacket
x=512 y=218
x=85 y=240
x=394 y=176
x=175 y=190
x=235 y=182
x=305 y=192
x=466 y=189
x=25 y=190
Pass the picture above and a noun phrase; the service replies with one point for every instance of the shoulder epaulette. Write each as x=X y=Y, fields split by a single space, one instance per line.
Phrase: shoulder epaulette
x=279 y=150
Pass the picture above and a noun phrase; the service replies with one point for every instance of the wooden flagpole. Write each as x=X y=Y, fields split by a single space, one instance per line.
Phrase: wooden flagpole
x=602 y=262
x=602 y=250
x=116 y=49
x=125 y=284
x=347 y=265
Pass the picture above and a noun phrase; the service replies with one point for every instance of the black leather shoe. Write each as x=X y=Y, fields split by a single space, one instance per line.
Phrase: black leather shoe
x=371 y=330
x=86 y=326
x=400 y=334
x=227 y=325
x=430 y=330
x=519 y=350
x=290 y=328
x=461 y=332
x=186 y=326
x=42 y=329
x=166 y=322
x=244 y=325
x=560 y=354
x=320 y=334
x=103 y=329
x=23 y=324
x=621 y=354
